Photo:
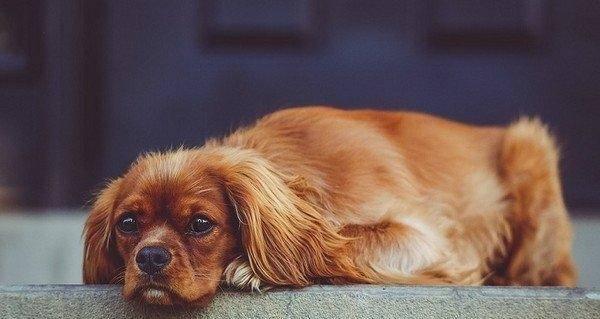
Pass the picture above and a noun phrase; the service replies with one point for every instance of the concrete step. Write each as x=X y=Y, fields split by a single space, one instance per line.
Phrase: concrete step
x=356 y=301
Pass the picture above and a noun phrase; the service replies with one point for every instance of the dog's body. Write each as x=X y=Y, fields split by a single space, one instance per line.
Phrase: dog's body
x=331 y=196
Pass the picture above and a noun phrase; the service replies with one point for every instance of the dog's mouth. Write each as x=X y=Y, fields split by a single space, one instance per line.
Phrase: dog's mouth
x=153 y=290
x=156 y=294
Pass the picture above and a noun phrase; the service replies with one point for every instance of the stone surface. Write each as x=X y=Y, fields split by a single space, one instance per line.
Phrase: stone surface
x=359 y=301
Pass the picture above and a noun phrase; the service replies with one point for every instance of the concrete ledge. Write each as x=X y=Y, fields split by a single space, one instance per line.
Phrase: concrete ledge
x=359 y=301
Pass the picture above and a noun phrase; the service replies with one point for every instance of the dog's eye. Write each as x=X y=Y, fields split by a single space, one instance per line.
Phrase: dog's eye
x=200 y=226
x=128 y=223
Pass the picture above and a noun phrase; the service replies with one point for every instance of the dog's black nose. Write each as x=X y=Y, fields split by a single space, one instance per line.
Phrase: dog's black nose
x=152 y=259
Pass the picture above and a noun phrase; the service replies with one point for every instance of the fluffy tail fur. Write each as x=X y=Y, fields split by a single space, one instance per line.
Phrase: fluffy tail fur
x=539 y=252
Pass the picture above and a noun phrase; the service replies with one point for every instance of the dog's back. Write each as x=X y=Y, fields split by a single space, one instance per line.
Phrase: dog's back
x=489 y=195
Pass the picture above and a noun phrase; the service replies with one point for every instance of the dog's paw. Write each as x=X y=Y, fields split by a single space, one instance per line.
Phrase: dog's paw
x=239 y=274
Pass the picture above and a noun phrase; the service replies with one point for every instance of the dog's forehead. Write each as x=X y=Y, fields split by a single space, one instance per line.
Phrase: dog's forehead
x=175 y=183
x=175 y=172
x=164 y=166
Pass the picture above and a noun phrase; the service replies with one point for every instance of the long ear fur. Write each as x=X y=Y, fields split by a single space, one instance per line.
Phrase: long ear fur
x=101 y=263
x=286 y=239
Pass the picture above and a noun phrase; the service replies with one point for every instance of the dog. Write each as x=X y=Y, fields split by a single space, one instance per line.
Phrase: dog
x=318 y=195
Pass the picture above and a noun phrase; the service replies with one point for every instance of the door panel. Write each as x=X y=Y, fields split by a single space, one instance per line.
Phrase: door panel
x=179 y=72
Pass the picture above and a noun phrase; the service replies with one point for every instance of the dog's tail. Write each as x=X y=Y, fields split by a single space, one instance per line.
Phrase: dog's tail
x=539 y=252
x=529 y=165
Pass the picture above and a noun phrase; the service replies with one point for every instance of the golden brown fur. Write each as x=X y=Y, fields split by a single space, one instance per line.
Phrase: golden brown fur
x=320 y=195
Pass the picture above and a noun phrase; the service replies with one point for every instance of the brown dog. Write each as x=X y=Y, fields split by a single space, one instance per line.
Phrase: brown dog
x=320 y=195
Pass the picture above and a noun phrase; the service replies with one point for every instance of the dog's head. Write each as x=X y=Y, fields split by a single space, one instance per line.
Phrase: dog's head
x=176 y=224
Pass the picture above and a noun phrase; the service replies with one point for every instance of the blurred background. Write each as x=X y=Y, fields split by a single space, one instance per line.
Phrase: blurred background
x=86 y=85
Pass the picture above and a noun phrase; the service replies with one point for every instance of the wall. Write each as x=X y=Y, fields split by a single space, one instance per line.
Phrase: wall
x=178 y=73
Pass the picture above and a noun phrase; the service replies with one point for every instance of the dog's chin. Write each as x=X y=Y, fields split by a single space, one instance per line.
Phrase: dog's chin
x=156 y=296
x=151 y=294
x=164 y=296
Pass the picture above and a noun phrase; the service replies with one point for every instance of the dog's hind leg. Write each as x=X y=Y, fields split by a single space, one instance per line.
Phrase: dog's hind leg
x=404 y=253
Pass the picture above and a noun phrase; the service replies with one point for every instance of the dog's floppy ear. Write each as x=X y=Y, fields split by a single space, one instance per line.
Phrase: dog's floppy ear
x=100 y=259
x=285 y=238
